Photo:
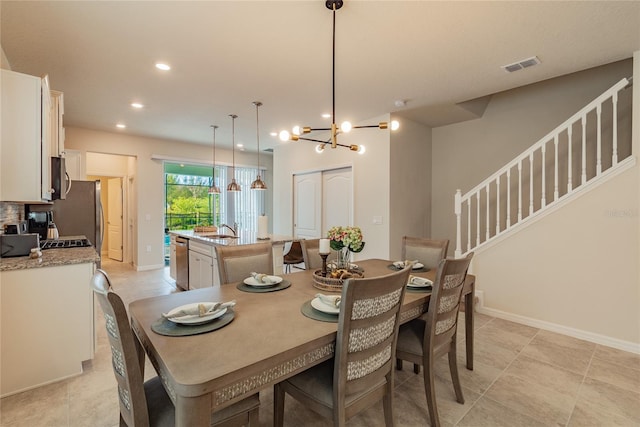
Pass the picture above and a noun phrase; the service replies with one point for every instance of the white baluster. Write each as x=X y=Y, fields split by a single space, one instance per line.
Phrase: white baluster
x=584 y=149
x=458 y=211
x=508 y=198
x=531 y=183
x=543 y=200
x=556 y=191
x=469 y=224
x=478 y=219
x=519 y=190
x=497 y=205
x=569 y=167
x=487 y=232
x=614 y=156
x=599 y=141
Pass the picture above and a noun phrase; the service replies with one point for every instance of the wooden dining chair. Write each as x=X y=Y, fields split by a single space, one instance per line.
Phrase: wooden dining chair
x=427 y=251
x=361 y=372
x=293 y=256
x=237 y=262
x=146 y=404
x=311 y=254
x=422 y=340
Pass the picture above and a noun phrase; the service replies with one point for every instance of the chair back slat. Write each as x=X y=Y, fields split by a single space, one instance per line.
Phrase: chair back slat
x=367 y=331
x=427 y=251
x=236 y=263
x=125 y=358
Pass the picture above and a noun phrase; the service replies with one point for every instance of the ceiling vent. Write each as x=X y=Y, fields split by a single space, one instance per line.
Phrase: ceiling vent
x=525 y=63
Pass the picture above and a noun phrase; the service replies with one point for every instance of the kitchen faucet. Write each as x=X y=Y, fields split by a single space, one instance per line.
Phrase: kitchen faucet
x=233 y=230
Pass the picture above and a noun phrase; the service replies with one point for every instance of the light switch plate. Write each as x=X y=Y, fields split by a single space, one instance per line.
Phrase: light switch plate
x=377 y=220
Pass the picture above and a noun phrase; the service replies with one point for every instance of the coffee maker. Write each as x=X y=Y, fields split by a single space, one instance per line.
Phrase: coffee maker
x=39 y=222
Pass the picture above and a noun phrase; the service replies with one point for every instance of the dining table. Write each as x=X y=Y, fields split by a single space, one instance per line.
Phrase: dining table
x=268 y=339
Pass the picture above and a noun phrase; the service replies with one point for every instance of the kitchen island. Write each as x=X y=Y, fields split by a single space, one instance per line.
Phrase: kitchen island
x=202 y=262
x=46 y=317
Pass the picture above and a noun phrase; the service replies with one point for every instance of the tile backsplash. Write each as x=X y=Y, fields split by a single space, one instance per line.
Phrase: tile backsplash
x=10 y=212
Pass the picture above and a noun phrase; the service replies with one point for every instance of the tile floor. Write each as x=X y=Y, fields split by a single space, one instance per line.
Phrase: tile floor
x=523 y=376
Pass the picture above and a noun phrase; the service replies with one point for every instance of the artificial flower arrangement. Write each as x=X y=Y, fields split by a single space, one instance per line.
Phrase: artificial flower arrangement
x=345 y=237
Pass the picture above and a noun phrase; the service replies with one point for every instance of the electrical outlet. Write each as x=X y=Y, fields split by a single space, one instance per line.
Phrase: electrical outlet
x=148 y=248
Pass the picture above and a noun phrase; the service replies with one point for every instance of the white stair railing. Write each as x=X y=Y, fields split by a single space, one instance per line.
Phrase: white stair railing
x=525 y=178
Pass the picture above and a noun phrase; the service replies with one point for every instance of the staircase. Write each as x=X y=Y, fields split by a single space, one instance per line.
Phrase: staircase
x=578 y=153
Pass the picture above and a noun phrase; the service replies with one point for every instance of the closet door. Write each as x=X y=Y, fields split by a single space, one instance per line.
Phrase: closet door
x=337 y=198
x=307 y=205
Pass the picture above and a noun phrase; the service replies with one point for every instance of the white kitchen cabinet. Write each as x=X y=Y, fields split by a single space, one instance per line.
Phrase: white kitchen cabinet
x=203 y=266
x=74 y=162
x=278 y=258
x=25 y=165
x=56 y=126
x=47 y=325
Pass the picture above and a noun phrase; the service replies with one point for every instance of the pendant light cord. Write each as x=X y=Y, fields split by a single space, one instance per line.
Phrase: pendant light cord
x=333 y=71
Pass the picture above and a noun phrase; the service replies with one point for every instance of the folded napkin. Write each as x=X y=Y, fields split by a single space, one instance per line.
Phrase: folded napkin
x=405 y=263
x=201 y=310
x=262 y=278
x=419 y=281
x=330 y=300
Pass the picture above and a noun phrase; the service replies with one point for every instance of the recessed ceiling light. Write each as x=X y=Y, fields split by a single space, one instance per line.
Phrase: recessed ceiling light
x=162 y=66
x=136 y=105
x=274 y=134
x=239 y=145
x=326 y=115
x=121 y=126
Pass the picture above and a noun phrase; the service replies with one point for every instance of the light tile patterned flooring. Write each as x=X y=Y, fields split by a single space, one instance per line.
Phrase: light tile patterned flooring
x=523 y=376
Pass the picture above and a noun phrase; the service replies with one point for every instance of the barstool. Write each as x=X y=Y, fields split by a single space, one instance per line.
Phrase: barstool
x=293 y=255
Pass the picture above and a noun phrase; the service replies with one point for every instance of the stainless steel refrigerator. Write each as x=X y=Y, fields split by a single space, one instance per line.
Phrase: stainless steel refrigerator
x=80 y=213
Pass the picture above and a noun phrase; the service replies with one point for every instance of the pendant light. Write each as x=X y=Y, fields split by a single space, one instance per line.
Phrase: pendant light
x=214 y=189
x=258 y=184
x=233 y=185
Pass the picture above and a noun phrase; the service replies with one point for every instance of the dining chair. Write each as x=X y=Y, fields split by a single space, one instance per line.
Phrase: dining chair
x=361 y=371
x=293 y=256
x=237 y=262
x=311 y=254
x=427 y=251
x=147 y=403
x=430 y=336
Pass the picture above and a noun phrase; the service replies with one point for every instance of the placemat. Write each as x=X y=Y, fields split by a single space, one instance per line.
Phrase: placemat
x=314 y=314
x=163 y=326
x=420 y=290
x=280 y=286
x=417 y=270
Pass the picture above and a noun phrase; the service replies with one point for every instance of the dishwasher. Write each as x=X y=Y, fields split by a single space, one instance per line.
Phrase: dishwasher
x=182 y=263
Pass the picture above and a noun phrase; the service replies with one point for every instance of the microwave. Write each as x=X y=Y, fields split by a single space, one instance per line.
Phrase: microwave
x=59 y=179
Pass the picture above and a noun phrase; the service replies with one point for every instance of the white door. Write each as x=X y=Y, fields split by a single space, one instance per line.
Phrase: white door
x=114 y=218
x=336 y=193
x=307 y=203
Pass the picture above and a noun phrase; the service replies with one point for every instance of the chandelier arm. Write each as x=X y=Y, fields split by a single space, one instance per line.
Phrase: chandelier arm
x=314 y=140
x=366 y=126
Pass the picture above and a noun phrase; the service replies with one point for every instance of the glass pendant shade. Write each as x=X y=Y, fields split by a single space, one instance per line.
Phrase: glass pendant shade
x=214 y=189
x=233 y=186
x=258 y=184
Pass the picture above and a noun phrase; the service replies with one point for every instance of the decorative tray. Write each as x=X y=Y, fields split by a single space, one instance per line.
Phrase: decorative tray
x=332 y=284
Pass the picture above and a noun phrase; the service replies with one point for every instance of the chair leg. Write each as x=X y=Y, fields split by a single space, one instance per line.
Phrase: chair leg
x=387 y=401
x=453 y=367
x=399 y=364
x=430 y=392
x=416 y=368
x=254 y=417
x=278 y=406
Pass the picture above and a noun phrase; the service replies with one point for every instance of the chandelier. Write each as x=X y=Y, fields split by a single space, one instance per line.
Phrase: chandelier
x=345 y=127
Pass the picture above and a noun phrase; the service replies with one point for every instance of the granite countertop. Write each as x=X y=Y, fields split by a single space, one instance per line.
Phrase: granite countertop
x=244 y=238
x=52 y=257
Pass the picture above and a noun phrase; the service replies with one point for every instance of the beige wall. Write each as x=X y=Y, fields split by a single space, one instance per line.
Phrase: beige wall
x=575 y=269
x=147 y=179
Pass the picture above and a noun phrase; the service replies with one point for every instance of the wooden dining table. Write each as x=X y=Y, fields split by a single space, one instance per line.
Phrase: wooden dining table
x=268 y=340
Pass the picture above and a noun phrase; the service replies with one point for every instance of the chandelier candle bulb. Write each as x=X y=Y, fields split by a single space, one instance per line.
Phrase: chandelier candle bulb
x=324 y=246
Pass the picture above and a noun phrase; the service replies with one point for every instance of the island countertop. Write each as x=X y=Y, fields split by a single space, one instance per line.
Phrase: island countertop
x=243 y=238
x=52 y=257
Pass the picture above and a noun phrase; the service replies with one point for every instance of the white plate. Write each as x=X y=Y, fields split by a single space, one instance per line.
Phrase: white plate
x=250 y=281
x=417 y=266
x=325 y=308
x=195 y=319
x=400 y=265
x=428 y=284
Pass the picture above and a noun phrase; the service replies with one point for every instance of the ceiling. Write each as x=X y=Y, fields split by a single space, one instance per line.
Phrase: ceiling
x=225 y=54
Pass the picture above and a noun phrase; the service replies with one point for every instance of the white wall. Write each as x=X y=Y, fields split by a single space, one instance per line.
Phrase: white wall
x=148 y=179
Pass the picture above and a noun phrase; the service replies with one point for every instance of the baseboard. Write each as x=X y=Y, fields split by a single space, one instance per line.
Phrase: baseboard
x=629 y=346
x=149 y=267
